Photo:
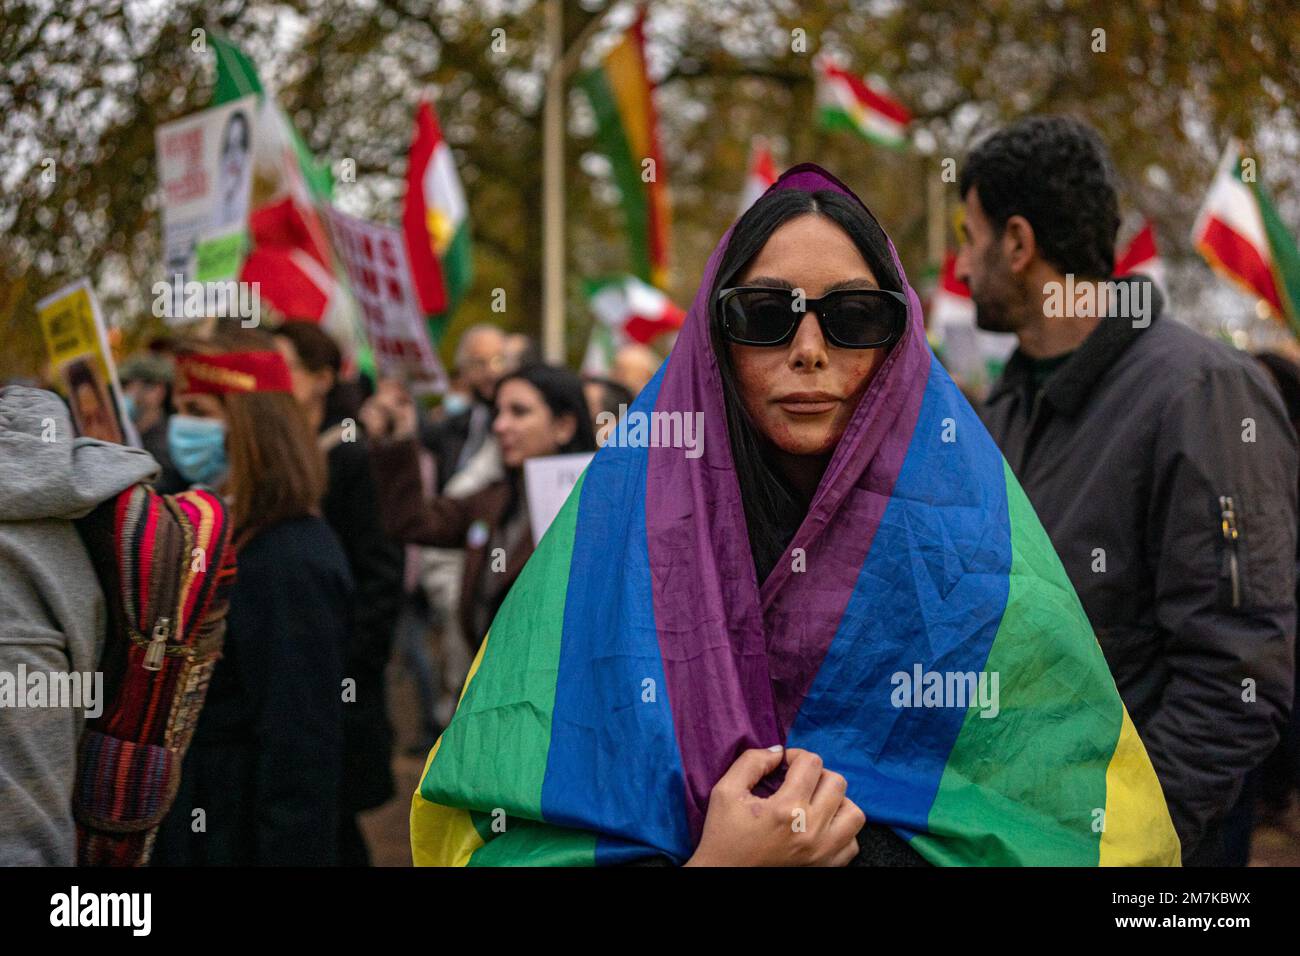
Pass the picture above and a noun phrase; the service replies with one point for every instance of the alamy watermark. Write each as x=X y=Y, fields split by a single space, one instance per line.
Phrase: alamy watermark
x=75 y=908
x=959 y=689
x=1099 y=299
x=193 y=300
x=23 y=689
x=654 y=430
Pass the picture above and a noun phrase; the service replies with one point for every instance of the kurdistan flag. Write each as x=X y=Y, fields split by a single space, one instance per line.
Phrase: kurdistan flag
x=435 y=223
x=627 y=132
x=848 y=102
x=1239 y=233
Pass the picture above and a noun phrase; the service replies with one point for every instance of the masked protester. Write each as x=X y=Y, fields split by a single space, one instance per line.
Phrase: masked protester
x=1160 y=461
x=823 y=602
x=147 y=384
x=263 y=772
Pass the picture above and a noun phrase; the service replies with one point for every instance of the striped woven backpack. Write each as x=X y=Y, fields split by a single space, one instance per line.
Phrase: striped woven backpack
x=166 y=565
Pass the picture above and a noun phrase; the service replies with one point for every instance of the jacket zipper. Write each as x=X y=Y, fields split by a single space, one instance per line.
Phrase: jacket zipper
x=153 y=656
x=1228 y=524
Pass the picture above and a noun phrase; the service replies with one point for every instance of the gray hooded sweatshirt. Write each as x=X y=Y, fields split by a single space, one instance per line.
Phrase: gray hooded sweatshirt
x=52 y=611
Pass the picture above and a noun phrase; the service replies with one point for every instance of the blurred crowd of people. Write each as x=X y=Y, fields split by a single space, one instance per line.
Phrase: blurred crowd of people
x=373 y=528
x=365 y=521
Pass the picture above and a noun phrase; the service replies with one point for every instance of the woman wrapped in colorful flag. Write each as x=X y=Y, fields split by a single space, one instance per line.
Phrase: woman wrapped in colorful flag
x=834 y=603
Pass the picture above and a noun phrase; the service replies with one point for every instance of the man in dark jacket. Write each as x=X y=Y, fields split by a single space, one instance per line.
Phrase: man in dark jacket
x=1160 y=462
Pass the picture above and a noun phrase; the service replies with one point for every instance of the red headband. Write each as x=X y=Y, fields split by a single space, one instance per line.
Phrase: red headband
x=232 y=372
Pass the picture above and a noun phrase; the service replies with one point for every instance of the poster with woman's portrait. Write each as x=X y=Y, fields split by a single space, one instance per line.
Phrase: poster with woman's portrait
x=81 y=364
x=205 y=172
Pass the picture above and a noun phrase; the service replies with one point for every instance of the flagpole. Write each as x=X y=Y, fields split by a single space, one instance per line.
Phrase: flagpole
x=936 y=214
x=553 y=189
x=561 y=63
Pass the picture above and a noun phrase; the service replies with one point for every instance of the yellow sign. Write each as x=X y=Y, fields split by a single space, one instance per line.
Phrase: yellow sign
x=80 y=361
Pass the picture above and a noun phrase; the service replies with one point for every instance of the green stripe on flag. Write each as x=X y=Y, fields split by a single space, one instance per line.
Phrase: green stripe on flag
x=236 y=75
x=494 y=752
x=535 y=844
x=457 y=274
x=613 y=142
x=1045 y=798
x=833 y=119
x=1284 y=255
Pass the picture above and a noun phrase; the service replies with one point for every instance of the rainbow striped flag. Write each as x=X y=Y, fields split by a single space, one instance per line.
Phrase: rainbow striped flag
x=627 y=132
x=637 y=655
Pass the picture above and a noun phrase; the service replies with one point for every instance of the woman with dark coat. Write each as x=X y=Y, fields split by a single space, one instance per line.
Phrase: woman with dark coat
x=260 y=783
x=351 y=508
x=540 y=410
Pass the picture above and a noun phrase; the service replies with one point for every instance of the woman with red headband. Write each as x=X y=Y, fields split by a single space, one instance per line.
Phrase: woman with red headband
x=260 y=783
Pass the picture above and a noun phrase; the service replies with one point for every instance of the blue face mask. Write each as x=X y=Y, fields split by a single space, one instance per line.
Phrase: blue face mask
x=198 y=448
x=132 y=409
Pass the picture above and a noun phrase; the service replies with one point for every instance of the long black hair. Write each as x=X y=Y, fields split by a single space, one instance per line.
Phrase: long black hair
x=563 y=394
x=773 y=510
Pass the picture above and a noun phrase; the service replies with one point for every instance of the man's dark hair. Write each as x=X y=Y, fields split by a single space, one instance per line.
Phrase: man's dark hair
x=1056 y=172
x=316 y=348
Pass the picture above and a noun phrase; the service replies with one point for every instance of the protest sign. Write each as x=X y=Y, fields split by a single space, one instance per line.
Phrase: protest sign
x=380 y=276
x=82 y=363
x=547 y=483
x=205 y=173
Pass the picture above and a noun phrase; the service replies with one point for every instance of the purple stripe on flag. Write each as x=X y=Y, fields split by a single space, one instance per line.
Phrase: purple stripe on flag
x=731 y=686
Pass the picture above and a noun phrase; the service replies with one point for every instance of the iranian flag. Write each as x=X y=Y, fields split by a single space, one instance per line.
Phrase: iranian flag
x=435 y=223
x=762 y=173
x=290 y=255
x=848 y=102
x=1239 y=233
x=626 y=310
x=1140 y=257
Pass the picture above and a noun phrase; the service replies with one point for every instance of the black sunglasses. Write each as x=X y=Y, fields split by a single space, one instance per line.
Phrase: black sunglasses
x=849 y=318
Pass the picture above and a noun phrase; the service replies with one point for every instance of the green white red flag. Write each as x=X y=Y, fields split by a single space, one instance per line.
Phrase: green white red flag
x=1241 y=236
x=1141 y=257
x=848 y=102
x=626 y=310
x=290 y=256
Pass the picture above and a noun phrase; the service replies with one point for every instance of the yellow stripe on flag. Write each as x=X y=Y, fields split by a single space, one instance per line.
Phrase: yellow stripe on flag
x=628 y=83
x=444 y=836
x=1137 y=829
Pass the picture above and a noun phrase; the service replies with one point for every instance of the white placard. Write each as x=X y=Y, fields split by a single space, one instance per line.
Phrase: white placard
x=547 y=483
x=205 y=174
x=380 y=275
